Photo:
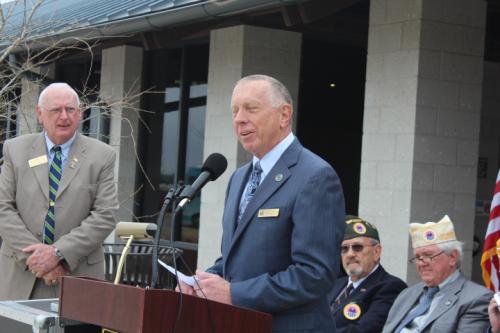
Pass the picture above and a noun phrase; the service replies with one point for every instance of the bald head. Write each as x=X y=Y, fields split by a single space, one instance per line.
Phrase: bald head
x=57 y=86
x=58 y=111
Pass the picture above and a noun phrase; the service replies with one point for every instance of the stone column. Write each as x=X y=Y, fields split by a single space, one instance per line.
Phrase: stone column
x=236 y=52
x=121 y=72
x=421 y=121
x=30 y=90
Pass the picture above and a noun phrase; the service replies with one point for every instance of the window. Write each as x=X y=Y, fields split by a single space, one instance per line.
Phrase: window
x=174 y=134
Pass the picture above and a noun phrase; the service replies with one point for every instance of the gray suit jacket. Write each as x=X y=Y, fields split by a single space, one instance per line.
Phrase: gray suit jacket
x=85 y=208
x=464 y=308
x=286 y=262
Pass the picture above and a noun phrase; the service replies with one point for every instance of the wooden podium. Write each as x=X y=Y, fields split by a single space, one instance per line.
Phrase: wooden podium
x=129 y=309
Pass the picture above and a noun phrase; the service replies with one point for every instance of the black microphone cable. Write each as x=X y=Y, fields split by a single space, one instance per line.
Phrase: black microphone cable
x=174 y=263
x=210 y=317
x=159 y=222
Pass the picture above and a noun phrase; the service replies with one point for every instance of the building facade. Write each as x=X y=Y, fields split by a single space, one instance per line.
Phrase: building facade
x=400 y=96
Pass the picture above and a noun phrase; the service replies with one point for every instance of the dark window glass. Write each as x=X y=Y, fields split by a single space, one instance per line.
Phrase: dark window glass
x=174 y=138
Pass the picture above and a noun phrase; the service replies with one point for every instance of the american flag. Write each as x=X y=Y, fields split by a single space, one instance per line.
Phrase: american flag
x=491 y=250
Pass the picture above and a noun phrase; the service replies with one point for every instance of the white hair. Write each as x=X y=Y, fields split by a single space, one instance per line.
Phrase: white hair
x=279 y=94
x=57 y=85
x=454 y=245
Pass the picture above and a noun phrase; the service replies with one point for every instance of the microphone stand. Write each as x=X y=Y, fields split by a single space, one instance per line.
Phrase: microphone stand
x=175 y=211
x=171 y=194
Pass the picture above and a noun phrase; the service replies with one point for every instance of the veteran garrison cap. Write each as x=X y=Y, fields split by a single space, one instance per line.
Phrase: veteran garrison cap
x=357 y=227
x=431 y=233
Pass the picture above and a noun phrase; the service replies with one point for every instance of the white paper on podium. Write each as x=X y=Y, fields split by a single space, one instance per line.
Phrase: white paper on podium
x=190 y=280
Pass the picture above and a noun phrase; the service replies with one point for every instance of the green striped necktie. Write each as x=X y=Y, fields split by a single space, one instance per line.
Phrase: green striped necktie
x=55 y=172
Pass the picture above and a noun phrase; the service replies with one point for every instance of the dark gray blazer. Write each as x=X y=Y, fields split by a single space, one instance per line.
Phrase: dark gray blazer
x=464 y=308
x=285 y=264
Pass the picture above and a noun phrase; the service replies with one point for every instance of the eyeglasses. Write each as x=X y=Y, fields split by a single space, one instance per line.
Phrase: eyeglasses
x=69 y=110
x=355 y=248
x=425 y=259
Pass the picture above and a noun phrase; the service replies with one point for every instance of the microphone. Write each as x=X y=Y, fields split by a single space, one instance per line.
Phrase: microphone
x=132 y=231
x=214 y=166
x=139 y=231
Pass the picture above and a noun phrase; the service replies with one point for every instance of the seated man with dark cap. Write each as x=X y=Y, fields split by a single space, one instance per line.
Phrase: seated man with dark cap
x=361 y=301
x=445 y=301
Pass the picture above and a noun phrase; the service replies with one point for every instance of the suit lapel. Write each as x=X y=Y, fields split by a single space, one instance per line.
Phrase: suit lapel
x=339 y=285
x=375 y=276
x=76 y=156
x=447 y=300
x=370 y=280
x=239 y=182
x=278 y=175
x=41 y=171
x=407 y=305
x=341 y=305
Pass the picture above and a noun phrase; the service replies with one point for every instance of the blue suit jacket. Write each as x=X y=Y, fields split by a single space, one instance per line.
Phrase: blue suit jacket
x=374 y=296
x=285 y=264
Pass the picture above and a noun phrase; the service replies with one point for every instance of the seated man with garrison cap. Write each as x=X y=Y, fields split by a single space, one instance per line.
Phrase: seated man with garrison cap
x=361 y=301
x=445 y=301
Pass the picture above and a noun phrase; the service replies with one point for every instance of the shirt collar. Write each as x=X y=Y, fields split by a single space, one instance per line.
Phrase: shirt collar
x=453 y=276
x=357 y=283
x=64 y=147
x=268 y=161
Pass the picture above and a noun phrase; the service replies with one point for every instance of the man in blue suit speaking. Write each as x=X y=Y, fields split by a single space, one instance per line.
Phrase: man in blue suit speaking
x=283 y=219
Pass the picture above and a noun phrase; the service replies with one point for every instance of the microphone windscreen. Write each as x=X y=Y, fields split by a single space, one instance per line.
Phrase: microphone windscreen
x=215 y=165
x=138 y=230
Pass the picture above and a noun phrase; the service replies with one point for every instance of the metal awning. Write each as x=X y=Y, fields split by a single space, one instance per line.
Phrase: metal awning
x=98 y=18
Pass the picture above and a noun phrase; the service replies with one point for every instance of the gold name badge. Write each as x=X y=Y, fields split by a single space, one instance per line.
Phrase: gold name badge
x=272 y=212
x=38 y=161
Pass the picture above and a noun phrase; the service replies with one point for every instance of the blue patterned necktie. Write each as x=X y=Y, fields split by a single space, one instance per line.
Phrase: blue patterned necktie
x=422 y=307
x=252 y=185
x=49 y=227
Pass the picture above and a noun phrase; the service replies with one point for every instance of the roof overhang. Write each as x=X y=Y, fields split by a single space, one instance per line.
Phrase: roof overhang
x=79 y=21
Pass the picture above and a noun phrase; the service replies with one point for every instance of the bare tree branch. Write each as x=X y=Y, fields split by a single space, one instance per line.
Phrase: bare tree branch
x=26 y=48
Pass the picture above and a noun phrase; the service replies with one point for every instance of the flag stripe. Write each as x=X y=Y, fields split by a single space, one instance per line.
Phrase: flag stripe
x=489 y=260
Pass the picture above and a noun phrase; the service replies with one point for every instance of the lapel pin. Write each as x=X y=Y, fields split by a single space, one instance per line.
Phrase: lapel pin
x=73 y=162
x=447 y=303
x=278 y=177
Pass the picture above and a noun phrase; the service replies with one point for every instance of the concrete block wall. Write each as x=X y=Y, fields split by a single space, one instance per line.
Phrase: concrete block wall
x=26 y=121
x=121 y=72
x=236 y=52
x=421 y=124
x=449 y=94
x=389 y=122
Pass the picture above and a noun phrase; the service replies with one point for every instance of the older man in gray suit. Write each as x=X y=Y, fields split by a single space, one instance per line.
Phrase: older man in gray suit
x=57 y=201
x=283 y=218
x=445 y=301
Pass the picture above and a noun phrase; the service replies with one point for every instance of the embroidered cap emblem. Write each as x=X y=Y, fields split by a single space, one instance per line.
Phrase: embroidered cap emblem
x=359 y=228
